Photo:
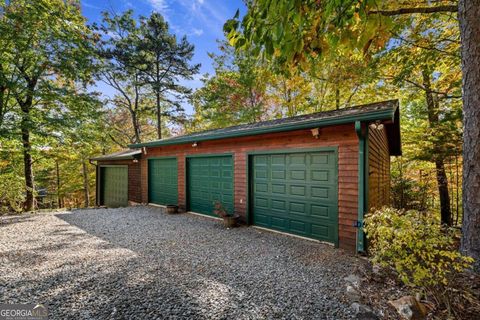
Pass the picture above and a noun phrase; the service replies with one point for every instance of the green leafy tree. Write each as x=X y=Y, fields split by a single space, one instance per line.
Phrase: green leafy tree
x=47 y=48
x=144 y=63
x=120 y=69
x=117 y=53
x=164 y=61
x=307 y=29
x=424 y=60
x=236 y=94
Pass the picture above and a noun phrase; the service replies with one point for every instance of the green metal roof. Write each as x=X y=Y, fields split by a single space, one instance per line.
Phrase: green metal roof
x=385 y=110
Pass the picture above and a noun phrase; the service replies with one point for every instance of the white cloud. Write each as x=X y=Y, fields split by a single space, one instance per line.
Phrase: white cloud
x=197 y=32
x=210 y=16
x=159 y=5
x=89 y=5
x=213 y=16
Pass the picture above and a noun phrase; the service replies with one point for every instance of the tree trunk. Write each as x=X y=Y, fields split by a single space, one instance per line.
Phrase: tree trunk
x=159 y=117
x=457 y=187
x=337 y=97
x=157 y=95
x=136 y=126
x=27 y=159
x=468 y=13
x=134 y=112
x=86 y=187
x=59 y=199
x=442 y=181
x=3 y=104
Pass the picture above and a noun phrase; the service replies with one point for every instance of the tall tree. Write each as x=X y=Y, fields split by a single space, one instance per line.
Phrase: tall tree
x=165 y=61
x=468 y=13
x=48 y=47
x=118 y=51
x=423 y=58
x=235 y=94
x=438 y=156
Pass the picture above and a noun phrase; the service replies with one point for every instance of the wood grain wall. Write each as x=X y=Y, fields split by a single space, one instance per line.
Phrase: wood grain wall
x=378 y=169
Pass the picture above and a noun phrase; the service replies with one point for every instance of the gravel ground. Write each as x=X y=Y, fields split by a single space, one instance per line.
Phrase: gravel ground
x=139 y=263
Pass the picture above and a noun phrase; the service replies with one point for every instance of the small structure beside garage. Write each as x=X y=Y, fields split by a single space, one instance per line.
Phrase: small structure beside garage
x=313 y=175
x=118 y=178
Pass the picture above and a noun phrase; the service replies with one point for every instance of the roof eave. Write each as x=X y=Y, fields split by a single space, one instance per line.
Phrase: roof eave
x=134 y=154
x=113 y=158
x=386 y=114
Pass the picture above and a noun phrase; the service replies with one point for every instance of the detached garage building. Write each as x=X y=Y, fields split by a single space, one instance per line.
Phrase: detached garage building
x=312 y=175
x=118 y=179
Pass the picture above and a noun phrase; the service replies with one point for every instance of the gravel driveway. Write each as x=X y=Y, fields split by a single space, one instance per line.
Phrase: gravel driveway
x=140 y=263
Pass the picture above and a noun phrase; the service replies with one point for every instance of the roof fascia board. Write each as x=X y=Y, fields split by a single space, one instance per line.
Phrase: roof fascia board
x=113 y=158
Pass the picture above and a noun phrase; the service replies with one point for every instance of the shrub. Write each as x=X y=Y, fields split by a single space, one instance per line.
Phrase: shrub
x=221 y=211
x=422 y=252
x=12 y=193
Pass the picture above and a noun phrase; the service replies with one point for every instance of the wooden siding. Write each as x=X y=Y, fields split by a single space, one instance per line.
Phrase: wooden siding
x=134 y=176
x=343 y=137
x=378 y=169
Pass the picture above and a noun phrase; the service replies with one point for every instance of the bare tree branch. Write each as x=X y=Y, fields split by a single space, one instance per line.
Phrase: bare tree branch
x=400 y=11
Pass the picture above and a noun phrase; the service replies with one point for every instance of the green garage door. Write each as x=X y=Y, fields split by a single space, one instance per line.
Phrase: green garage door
x=114 y=183
x=163 y=181
x=210 y=179
x=296 y=193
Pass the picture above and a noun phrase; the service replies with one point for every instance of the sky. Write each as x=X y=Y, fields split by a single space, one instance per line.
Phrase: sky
x=200 y=20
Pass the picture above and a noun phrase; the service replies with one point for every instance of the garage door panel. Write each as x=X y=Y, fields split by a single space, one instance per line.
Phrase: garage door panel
x=278 y=204
x=296 y=193
x=227 y=186
x=298 y=190
x=226 y=197
x=115 y=186
x=320 y=175
x=262 y=202
x=322 y=212
x=297 y=208
x=322 y=159
x=260 y=160
x=210 y=179
x=322 y=231
x=260 y=187
x=298 y=226
x=279 y=223
x=261 y=174
x=297 y=159
x=278 y=189
x=320 y=192
x=278 y=174
x=278 y=159
x=298 y=175
x=163 y=181
x=227 y=173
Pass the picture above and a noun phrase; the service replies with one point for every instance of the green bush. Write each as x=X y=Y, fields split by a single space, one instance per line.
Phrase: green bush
x=12 y=193
x=422 y=252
